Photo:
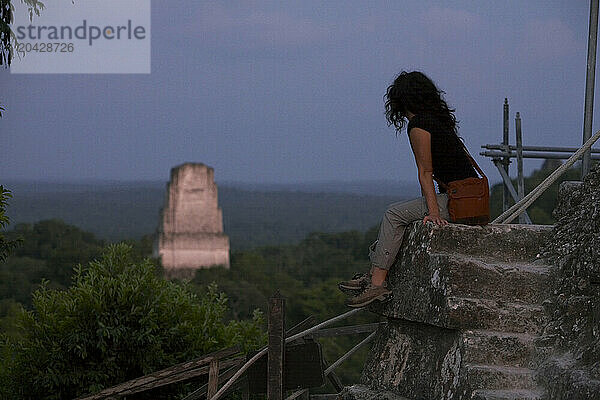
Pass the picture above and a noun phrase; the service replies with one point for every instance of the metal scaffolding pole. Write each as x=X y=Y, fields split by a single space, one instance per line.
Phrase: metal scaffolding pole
x=589 y=84
x=537 y=148
x=505 y=160
x=520 y=177
x=512 y=154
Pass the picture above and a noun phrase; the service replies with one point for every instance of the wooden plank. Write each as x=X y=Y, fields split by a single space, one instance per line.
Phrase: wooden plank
x=213 y=378
x=297 y=395
x=179 y=377
x=223 y=376
x=176 y=373
x=346 y=330
x=196 y=373
x=276 y=349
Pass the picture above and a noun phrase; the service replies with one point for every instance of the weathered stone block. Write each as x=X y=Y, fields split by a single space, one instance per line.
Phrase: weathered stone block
x=568 y=198
x=573 y=372
x=421 y=361
x=360 y=392
x=502 y=394
x=500 y=242
x=438 y=284
x=473 y=277
x=499 y=377
x=414 y=360
x=566 y=382
x=499 y=348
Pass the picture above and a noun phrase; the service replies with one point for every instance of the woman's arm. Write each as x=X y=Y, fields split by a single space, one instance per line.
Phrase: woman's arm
x=420 y=141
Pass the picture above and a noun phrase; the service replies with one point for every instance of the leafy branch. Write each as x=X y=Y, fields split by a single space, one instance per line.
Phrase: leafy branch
x=7 y=35
x=6 y=246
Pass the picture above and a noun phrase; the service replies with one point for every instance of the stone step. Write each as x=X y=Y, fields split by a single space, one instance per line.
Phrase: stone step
x=361 y=392
x=471 y=313
x=498 y=377
x=516 y=394
x=433 y=284
x=469 y=276
x=462 y=312
x=499 y=348
x=502 y=242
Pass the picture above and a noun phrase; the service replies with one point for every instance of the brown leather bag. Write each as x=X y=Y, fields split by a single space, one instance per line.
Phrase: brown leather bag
x=468 y=199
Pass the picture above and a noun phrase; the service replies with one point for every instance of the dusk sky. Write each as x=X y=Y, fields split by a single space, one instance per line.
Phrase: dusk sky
x=281 y=91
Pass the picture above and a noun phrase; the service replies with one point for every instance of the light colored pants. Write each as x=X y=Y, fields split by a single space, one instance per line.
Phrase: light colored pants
x=391 y=232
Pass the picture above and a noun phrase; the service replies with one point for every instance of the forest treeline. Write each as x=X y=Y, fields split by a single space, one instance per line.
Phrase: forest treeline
x=250 y=217
x=57 y=269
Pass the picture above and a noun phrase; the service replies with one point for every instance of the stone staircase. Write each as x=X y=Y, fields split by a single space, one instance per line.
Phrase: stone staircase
x=465 y=316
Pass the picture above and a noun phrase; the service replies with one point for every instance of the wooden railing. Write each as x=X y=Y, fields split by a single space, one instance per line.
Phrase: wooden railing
x=291 y=362
x=213 y=364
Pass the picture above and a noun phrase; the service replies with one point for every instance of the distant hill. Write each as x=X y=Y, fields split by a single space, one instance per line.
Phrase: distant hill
x=253 y=214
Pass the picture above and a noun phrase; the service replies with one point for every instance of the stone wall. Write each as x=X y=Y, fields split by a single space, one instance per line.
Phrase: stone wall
x=574 y=306
x=190 y=233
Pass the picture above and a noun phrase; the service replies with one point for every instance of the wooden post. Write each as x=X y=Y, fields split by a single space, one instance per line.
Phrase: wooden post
x=213 y=378
x=276 y=347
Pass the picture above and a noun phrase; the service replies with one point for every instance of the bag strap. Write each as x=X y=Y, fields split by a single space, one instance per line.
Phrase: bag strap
x=440 y=183
x=473 y=163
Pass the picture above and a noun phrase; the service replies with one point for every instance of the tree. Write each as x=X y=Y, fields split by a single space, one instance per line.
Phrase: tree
x=119 y=320
x=6 y=20
x=5 y=245
x=49 y=250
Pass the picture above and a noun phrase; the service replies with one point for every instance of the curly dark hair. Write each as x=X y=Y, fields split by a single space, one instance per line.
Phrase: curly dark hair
x=415 y=92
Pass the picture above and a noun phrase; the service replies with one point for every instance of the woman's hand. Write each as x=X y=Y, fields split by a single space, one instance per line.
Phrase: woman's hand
x=435 y=218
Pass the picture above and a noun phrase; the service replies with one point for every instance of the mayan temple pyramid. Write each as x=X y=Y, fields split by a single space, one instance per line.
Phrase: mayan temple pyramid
x=190 y=232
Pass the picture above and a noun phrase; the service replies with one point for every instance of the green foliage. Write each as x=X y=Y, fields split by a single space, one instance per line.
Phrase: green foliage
x=6 y=245
x=49 y=250
x=11 y=310
x=6 y=19
x=60 y=245
x=119 y=320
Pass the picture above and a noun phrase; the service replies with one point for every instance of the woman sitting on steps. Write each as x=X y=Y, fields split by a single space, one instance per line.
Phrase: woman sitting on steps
x=432 y=129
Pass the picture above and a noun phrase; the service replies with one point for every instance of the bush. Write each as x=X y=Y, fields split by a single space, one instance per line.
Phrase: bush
x=6 y=246
x=118 y=321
